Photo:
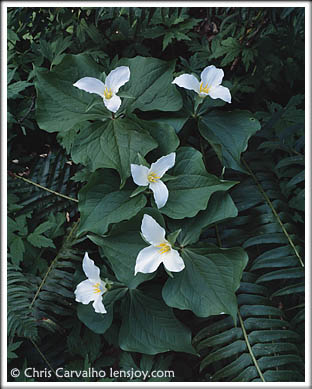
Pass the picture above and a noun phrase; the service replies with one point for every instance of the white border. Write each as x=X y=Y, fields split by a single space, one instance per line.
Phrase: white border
x=4 y=6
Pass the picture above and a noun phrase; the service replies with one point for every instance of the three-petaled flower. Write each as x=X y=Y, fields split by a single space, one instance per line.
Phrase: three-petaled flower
x=160 y=250
x=116 y=78
x=93 y=288
x=209 y=85
x=144 y=176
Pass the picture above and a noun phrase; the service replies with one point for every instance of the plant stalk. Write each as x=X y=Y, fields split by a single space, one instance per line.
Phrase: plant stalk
x=249 y=347
x=44 y=188
x=274 y=212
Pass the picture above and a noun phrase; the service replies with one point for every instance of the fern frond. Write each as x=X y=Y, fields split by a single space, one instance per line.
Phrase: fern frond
x=54 y=294
x=21 y=321
x=261 y=348
x=47 y=188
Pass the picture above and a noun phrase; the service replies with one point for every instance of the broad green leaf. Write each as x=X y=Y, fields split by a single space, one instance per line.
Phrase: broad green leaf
x=101 y=202
x=60 y=105
x=112 y=144
x=150 y=327
x=191 y=191
x=150 y=84
x=123 y=245
x=163 y=133
x=220 y=207
x=208 y=283
x=228 y=133
x=99 y=322
x=176 y=120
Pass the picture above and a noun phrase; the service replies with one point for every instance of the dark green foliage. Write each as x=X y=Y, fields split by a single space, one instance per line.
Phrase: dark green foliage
x=271 y=296
x=236 y=202
x=273 y=351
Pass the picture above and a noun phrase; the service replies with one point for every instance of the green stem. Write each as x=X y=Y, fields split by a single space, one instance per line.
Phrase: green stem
x=43 y=357
x=249 y=347
x=274 y=212
x=44 y=188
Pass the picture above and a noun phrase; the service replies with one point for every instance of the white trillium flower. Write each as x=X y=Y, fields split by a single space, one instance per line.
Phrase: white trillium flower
x=144 y=176
x=160 y=250
x=93 y=288
x=116 y=78
x=209 y=85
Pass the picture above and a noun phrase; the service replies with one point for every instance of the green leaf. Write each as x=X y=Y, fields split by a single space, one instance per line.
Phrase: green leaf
x=228 y=133
x=191 y=191
x=96 y=322
x=173 y=236
x=150 y=84
x=176 y=120
x=123 y=245
x=39 y=240
x=138 y=190
x=43 y=227
x=208 y=283
x=16 y=87
x=167 y=39
x=12 y=36
x=12 y=347
x=220 y=207
x=101 y=202
x=11 y=226
x=17 y=249
x=150 y=327
x=229 y=46
x=163 y=133
x=112 y=144
x=60 y=105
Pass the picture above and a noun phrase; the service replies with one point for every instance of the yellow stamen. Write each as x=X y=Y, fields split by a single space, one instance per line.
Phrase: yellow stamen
x=203 y=88
x=97 y=288
x=152 y=177
x=108 y=94
x=164 y=247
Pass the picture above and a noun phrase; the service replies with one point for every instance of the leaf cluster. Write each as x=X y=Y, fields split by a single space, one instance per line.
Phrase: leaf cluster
x=235 y=210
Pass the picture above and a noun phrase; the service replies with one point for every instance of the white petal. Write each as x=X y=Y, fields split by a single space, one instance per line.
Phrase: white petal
x=91 y=85
x=117 y=78
x=113 y=103
x=160 y=193
x=139 y=174
x=152 y=231
x=90 y=270
x=187 y=81
x=84 y=292
x=173 y=261
x=211 y=76
x=148 y=260
x=98 y=305
x=220 y=92
x=163 y=164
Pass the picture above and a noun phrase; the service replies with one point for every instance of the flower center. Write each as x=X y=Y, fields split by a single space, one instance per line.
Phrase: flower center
x=203 y=88
x=108 y=94
x=97 y=288
x=164 y=247
x=152 y=177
